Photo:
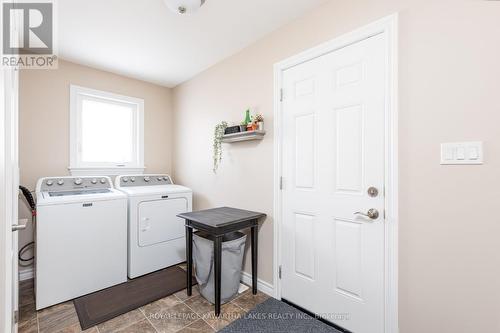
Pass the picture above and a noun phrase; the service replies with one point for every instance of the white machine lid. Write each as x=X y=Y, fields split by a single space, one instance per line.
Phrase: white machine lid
x=135 y=185
x=158 y=189
x=60 y=190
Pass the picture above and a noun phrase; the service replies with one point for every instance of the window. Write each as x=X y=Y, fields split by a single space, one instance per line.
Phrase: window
x=107 y=133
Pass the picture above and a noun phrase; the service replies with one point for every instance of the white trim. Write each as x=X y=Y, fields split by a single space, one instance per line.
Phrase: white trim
x=9 y=187
x=26 y=273
x=5 y=211
x=77 y=168
x=262 y=286
x=392 y=178
x=103 y=171
x=388 y=26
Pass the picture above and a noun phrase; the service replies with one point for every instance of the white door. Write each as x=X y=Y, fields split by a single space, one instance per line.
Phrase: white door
x=9 y=183
x=333 y=152
x=9 y=188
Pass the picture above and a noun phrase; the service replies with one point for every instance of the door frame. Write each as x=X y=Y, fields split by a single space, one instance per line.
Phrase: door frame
x=9 y=192
x=388 y=26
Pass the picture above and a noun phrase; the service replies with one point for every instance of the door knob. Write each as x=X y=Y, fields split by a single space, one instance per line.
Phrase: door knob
x=372 y=213
x=17 y=227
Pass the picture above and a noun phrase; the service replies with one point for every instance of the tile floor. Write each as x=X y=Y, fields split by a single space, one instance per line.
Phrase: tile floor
x=175 y=313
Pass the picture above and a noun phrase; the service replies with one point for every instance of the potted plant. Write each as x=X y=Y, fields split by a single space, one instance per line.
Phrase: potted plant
x=218 y=134
x=251 y=126
x=259 y=120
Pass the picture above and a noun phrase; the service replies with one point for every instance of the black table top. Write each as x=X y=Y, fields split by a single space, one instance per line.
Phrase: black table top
x=221 y=217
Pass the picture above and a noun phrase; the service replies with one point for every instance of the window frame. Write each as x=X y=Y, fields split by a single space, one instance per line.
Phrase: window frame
x=79 y=168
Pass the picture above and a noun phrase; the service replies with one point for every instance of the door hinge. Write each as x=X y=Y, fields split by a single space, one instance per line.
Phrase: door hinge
x=281 y=183
x=16 y=317
x=281 y=95
x=279 y=272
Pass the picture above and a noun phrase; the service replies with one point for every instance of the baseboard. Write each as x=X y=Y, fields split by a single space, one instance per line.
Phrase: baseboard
x=26 y=273
x=262 y=286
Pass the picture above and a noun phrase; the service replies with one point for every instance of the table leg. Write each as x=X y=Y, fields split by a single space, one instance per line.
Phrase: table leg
x=255 y=241
x=189 y=259
x=217 y=263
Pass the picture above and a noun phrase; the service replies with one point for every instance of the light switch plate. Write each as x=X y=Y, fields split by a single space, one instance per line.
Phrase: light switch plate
x=462 y=153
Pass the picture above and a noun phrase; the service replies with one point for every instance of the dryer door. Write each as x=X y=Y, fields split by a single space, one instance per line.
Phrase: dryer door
x=158 y=221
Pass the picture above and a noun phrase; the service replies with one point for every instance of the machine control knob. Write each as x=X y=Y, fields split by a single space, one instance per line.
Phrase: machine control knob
x=146 y=179
x=50 y=182
x=132 y=179
x=125 y=179
x=103 y=180
x=165 y=178
x=60 y=182
x=160 y=179
x=78 y=181
x=93 y=181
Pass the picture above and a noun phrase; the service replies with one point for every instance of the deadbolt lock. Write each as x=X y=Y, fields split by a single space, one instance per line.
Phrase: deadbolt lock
x=372 y=192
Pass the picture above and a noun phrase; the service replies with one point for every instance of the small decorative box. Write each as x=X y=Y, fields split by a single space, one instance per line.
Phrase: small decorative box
x=232 y=129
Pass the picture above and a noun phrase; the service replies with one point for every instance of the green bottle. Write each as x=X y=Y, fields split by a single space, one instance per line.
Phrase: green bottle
x=247 y=120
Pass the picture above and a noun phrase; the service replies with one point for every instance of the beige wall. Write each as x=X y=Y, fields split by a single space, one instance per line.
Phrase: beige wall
x=44 y=121
x=449 y=264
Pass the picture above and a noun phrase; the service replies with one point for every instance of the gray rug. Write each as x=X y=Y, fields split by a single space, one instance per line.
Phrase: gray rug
x=109 y=303
x=276 y=317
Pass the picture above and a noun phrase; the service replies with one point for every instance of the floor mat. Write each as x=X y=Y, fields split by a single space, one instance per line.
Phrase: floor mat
x=109 y=303
x=277 y=317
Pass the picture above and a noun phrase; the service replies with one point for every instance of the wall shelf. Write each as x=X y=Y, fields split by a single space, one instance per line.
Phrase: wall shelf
x=243 y=136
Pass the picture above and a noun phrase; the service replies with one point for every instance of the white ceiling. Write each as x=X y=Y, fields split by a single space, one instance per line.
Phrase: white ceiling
x=144 y=40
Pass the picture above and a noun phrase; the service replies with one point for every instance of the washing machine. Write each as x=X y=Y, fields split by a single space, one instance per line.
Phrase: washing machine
x=156 y=236
x=81 y=238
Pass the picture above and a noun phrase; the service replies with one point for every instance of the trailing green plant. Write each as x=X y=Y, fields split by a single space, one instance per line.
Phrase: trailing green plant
x=218 y=134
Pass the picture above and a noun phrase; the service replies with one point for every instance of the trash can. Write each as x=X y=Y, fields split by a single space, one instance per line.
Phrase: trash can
x=233 y=247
